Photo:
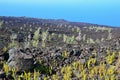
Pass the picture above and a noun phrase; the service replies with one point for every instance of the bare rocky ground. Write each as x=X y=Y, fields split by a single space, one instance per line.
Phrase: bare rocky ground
x=90 y=41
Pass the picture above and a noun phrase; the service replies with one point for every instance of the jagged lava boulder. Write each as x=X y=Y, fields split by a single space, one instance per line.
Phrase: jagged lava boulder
x=20 y=60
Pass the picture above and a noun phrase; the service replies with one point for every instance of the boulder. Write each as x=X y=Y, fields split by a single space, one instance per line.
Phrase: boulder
x=20 y=60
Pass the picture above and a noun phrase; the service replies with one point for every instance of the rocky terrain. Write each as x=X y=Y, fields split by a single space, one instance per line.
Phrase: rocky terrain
x=48 y=49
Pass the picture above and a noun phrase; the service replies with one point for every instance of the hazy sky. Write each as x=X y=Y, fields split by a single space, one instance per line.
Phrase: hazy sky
x=93 y=11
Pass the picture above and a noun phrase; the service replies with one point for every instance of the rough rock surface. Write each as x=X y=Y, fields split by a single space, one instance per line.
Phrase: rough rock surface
x=21 y=61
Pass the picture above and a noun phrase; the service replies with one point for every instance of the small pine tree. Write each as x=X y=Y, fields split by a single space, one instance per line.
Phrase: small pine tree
x=44 y=38
x=1 y=23
x=36 y=37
